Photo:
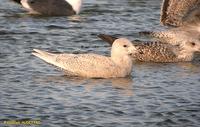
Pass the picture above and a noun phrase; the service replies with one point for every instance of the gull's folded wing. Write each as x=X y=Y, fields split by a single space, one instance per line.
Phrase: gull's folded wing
x=156 y=52
x=80 y=64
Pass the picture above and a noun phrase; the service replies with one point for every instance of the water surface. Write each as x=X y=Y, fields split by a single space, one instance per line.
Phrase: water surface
x=155 y=95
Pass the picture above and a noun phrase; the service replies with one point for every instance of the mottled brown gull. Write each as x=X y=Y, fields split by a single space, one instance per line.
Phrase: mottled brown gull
x=159 y=51
x=180 y=12
x=51 y=7
x=93 y=65
x=175 y=44
x=184 y=15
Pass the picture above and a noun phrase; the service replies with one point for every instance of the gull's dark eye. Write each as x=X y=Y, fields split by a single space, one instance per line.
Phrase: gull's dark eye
x=193 y=44
x=125 y=46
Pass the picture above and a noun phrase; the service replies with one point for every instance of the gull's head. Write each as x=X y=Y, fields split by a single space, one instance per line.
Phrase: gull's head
x=191 y=46
x=122 y=47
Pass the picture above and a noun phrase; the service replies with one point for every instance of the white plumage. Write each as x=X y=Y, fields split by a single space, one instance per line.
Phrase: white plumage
x=94 y=65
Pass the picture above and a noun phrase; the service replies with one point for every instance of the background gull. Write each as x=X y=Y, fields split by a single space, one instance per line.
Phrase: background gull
x=184 y=16
x=177 y=43
x=180 y=12
x=159 y=51
x=93 y=65
x=51 y=7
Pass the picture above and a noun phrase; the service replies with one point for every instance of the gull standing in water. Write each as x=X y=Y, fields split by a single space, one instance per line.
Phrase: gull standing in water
x=52 y=7
x=93 y=65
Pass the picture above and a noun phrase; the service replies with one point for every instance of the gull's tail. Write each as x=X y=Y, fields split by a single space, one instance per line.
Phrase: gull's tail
x=108 y=38
x=47 y=57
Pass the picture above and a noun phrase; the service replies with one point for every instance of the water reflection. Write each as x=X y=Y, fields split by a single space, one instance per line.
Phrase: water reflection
x=193 y=66
x=123 y=85
x=76 y=18
x=188 y=69
x=164 y=94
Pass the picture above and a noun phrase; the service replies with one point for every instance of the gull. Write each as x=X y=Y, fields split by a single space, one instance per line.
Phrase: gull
x=183 y=19
x=51 y=7
x=179 y=42
x=160 y=52
x=119 y=64
x=180 y=12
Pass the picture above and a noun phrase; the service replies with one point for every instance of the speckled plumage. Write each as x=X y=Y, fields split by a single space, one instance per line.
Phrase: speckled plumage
x=185 y=16
x=93 y=65
x=160 y=51
x=187 y=33
x=180 y=12
x=156 y=52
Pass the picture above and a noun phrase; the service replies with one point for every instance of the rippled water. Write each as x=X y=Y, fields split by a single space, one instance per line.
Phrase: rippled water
x=156 y=95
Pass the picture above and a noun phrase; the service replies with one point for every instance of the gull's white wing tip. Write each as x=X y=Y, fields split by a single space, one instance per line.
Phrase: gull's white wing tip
x=46 y=56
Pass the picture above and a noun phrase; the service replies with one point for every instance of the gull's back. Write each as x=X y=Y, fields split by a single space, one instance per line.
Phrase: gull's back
x=84 y=65
x=88 y=65
x=156 y=52
x=180 y=12
x=94 y=65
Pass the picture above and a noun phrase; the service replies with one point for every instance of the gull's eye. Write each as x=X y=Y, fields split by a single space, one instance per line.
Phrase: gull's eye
x=125 y=46
x=193 y=44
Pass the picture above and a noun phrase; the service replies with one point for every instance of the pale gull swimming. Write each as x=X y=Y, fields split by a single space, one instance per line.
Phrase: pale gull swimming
x=93 y=65
x=159 y=51
x=51 y=7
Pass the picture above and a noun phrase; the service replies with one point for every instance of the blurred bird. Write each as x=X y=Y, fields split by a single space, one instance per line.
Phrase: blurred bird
x=51 y=7
x=184 y=16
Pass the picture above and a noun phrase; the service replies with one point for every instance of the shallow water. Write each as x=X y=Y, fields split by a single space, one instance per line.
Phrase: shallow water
x=155 y=95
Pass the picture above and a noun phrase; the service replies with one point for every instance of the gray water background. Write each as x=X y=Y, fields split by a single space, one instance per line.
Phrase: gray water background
x=155 y=95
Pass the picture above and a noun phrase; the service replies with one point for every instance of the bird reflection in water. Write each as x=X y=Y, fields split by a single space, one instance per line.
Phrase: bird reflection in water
x=123 y=85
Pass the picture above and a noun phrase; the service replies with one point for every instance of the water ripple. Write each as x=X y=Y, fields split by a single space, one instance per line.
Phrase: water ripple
x=156 y=95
